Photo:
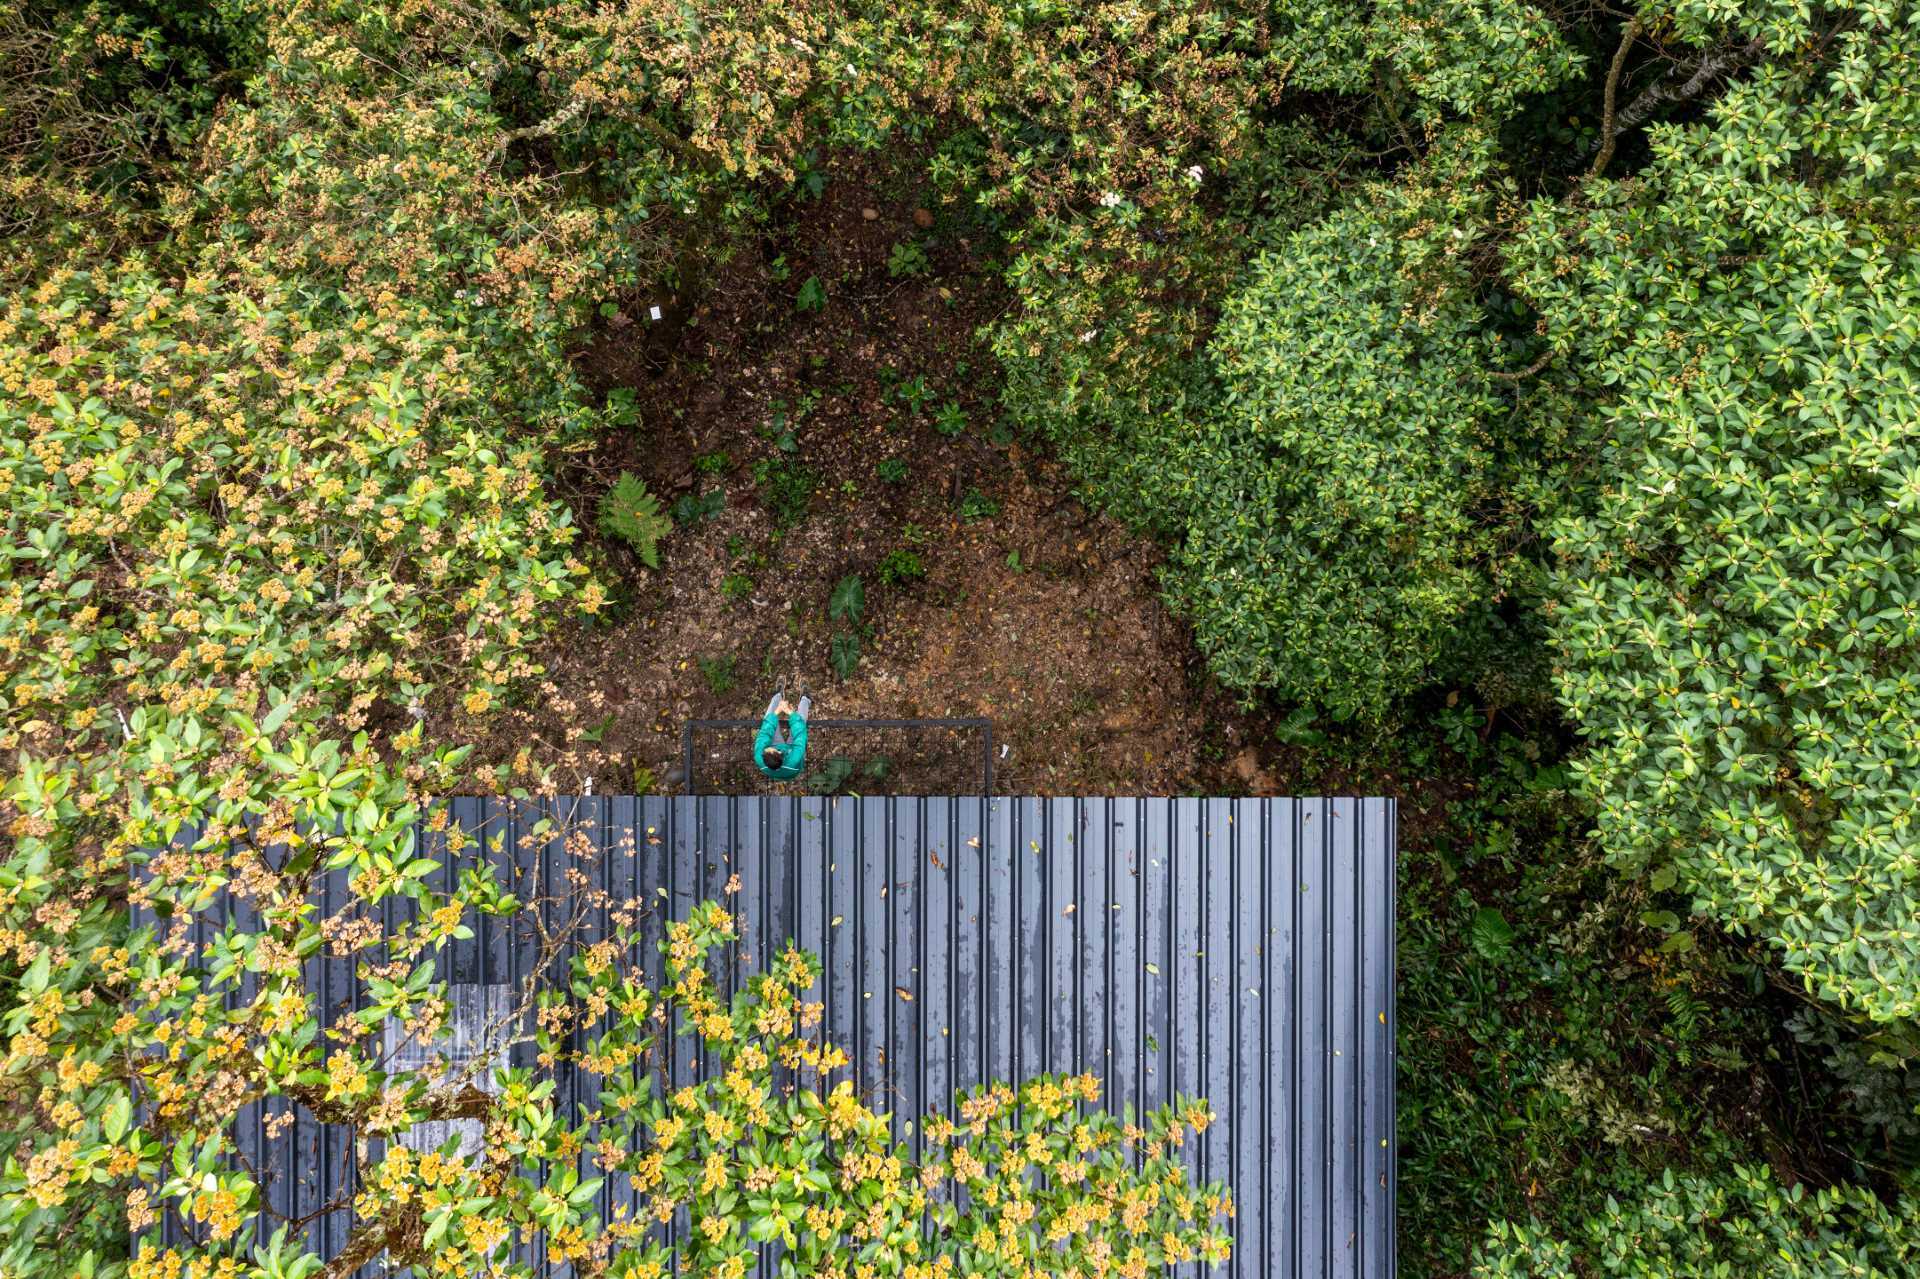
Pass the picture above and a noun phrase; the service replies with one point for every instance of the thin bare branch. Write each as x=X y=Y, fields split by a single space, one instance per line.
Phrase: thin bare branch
x=1609 y=130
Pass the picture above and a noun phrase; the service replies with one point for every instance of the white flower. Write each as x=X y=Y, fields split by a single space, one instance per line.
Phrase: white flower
x=1110 y=199
x=1195 y=173
x=1088 y=336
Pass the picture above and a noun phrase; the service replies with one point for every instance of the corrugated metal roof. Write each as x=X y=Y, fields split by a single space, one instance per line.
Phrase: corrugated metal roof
x=1237 y=949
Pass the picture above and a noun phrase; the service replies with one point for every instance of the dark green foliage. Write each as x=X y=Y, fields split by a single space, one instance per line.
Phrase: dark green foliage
x=843 y=654
x=978 y=506
x=831 y=776
x=848 y=599
x=1542 y=1064
x=893 y=470
x=719 y=674
x=691 y=508
x=98 y=102
x=908 y=258
x=632 y=514
x=1739 y=1222
x=914 y=392
x=786 y=489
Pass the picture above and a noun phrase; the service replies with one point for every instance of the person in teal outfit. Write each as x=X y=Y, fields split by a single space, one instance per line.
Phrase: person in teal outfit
x=780 y=748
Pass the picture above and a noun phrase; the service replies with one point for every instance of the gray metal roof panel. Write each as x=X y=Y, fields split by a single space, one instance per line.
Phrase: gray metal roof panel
x=1239 y=949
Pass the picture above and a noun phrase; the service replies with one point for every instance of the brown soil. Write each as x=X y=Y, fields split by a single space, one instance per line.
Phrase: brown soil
x=1032 y=611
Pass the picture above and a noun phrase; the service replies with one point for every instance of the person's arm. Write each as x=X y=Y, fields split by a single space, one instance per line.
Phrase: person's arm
x=799 y=751
x=765 y=737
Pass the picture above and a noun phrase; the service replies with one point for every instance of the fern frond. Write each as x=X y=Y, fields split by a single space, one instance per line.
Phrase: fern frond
x=632 y=514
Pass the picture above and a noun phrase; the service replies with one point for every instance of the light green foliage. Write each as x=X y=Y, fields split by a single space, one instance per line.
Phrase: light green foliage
x=1117 y=252
x=1741 y=1222
x=1333 y=547
x=1425 y=58
x=1474 y=58
x=1737 y=616
x=632 y=514
x=901 y=566
x=261 y=485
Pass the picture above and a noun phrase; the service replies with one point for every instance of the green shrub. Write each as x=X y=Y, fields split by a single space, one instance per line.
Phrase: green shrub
x=900 y=566
x=908 y=258
x=848 y=600
x=976 y=505
x=893 y=470
x=1735 y=623
x=718 y=672
x=843 y=654
x=1335 y=541
x=693 y=508
x=950 y=420
x=786 y=489
x=632 y=514
x=1741 y=1222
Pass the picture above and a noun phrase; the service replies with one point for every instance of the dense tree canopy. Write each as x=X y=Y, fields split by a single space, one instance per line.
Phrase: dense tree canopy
x=1735 y=607
x=1440 y=344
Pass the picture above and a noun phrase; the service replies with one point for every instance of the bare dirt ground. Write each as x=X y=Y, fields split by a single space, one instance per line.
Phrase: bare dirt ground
x=860 y=437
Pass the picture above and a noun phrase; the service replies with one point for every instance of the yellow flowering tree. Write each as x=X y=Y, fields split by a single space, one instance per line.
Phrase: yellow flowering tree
x=769 y=1143
x=277 y=455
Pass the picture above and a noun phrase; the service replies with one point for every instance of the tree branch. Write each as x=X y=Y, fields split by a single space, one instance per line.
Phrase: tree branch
x=1531 y=369
x=1711 y=65
x=545 y=129
x=1609 y=133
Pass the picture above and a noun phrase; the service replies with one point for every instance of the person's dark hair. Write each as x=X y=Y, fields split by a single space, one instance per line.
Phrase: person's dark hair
x=772 y=757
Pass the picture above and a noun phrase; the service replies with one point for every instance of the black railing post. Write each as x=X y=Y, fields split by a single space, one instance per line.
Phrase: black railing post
x=984 y=725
